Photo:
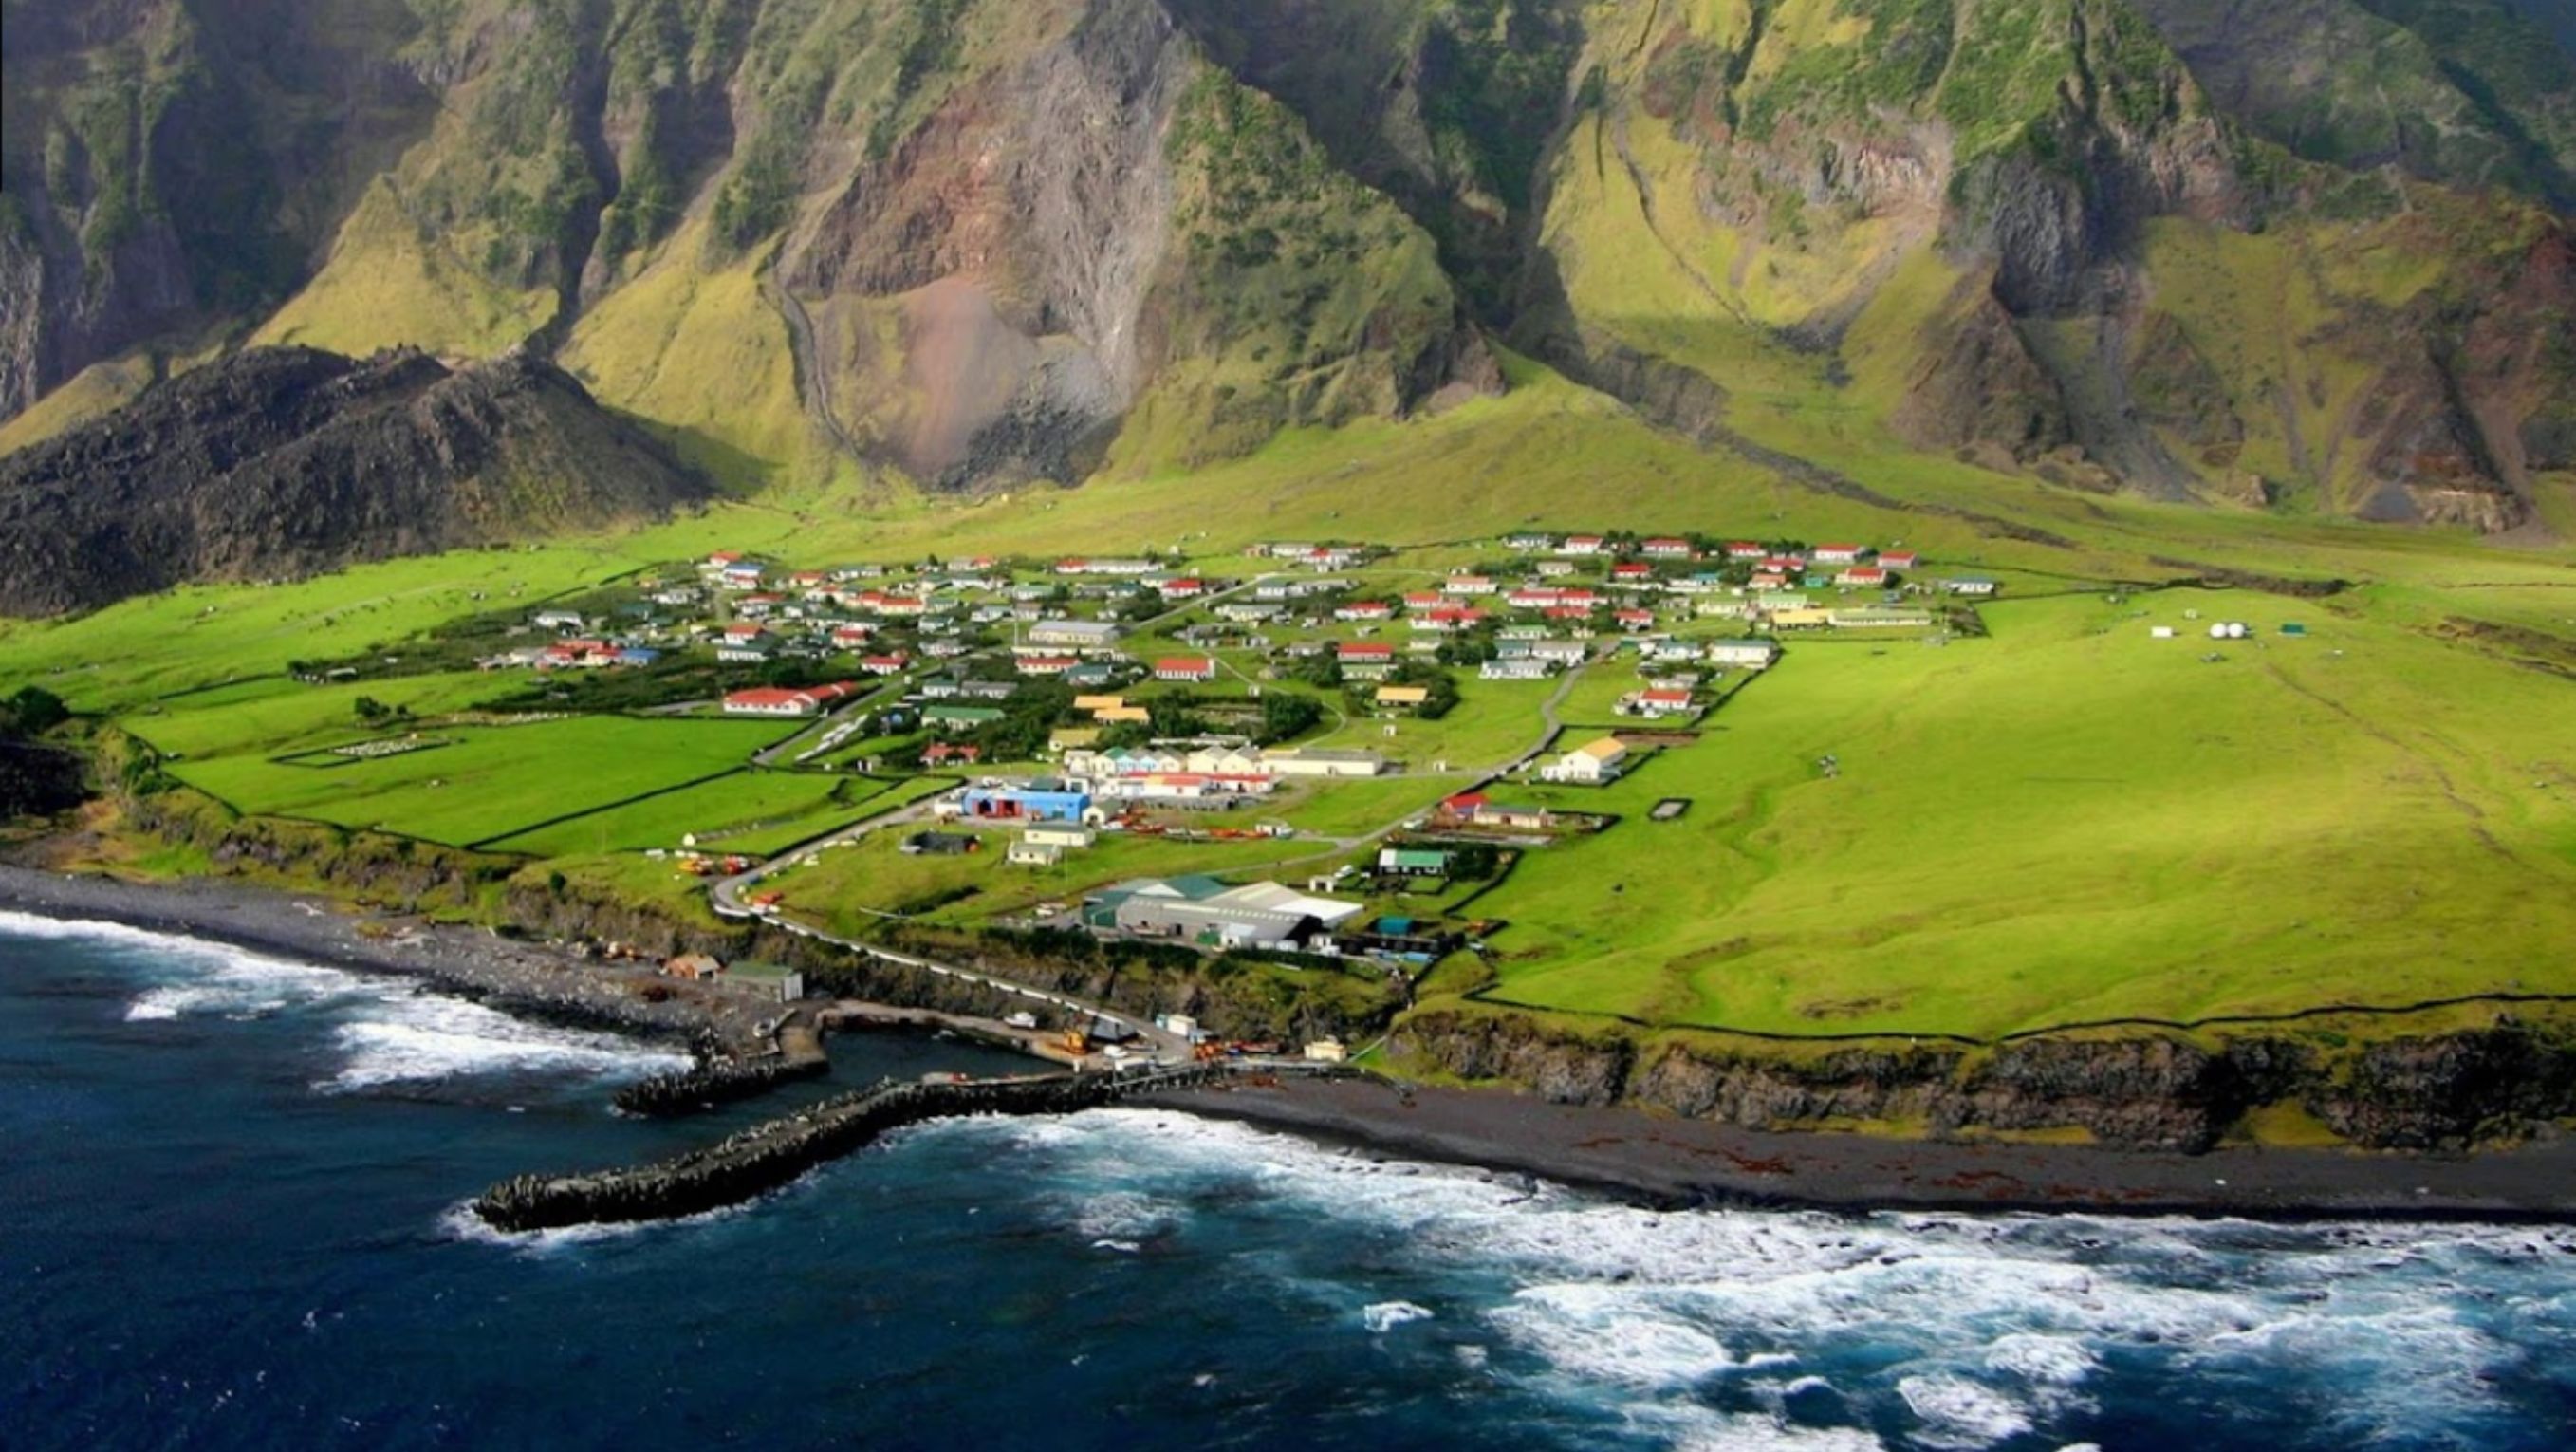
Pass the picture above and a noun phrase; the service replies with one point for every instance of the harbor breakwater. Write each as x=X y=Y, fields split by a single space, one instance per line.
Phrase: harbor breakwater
x=713 y=1081
x=772 y=1154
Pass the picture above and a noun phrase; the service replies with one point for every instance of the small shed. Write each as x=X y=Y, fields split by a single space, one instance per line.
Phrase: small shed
x=1029 y=853
x=695 y=967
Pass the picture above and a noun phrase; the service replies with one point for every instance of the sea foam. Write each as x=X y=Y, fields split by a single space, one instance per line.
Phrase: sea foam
x=392 y=1030
x=1961 y=1330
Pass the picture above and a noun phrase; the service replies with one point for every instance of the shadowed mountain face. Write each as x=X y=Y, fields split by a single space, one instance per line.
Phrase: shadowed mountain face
x=2311 y=254
x=287 y=461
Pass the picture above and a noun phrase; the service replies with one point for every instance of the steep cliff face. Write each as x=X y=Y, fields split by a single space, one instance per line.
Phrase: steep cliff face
x=2026 y=235
x=288 y=461
x=169 y=166
x=985 y=235
x=2136 y=1092
x=2299 y=255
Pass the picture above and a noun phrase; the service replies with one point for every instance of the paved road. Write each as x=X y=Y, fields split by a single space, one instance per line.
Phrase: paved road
x=727 y=898
x=728 y=895
x=768 y=755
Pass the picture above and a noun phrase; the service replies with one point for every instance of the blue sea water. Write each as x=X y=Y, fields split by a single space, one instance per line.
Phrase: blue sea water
x=230 y=1194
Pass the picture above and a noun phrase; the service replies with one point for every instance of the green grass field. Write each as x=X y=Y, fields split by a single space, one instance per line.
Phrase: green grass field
x=851 y=888
x=2065 y=821
x=275 y=712
x=750 y=811
x=2073 y=821
x=494 y=782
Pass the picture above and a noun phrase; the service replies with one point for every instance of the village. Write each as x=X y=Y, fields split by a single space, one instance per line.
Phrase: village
x=1317 y=752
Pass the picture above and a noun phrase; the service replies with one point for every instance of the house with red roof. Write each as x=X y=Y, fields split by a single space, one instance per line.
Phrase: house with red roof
x=1866 y=576
x=1634 y=619
x=1364 y=610
x=1655 y=701
x=1582 y=544
x=1745 y=549
x=884 y=665
x=786 y=701
x=1837 y=554
x=1898 y=559
x=1448 y=620
x=1185 y=668
x=1044 y=665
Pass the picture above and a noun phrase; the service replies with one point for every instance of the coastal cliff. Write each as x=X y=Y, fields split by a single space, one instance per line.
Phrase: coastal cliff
x=2143 y=1090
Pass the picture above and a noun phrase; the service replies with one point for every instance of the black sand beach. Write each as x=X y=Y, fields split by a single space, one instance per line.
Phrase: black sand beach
x=1671 y=1161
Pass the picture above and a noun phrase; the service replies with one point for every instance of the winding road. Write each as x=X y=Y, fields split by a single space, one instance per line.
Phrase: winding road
x=729 y=895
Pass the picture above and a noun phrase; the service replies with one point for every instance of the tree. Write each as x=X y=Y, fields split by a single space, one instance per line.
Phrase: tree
x=1286 y=715
x=371 y=710
x=32 y=711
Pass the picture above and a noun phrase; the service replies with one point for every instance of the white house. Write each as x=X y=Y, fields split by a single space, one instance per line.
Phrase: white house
x=1592 y=764
x=1750 y=655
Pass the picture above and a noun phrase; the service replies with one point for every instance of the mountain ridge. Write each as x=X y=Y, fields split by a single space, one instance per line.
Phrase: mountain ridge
x=2111 y=244
x=290 y=461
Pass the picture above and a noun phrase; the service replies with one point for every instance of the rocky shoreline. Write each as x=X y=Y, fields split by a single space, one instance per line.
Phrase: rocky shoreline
x=1656 y=1158
x=530 y=979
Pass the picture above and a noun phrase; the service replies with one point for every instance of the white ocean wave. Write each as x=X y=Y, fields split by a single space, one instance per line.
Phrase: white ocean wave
x=1119 y=1215
x=1967 y=1329
x=218 y=977
x=1752 y=1432
x=399 y=1031
x=1385 y=1316
x=1958 y=1413
x=462 y=1224
x=424 y=1037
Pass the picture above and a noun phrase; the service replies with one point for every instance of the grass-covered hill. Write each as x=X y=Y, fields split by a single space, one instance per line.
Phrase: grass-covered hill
x=2311 y=258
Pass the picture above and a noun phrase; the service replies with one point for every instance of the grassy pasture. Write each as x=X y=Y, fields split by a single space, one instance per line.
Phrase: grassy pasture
x=739 y=813
x=275 y=713
x=851 y=887
x=2066 y=821
x=494 y=781
x=129 y=654
x=2073 y=821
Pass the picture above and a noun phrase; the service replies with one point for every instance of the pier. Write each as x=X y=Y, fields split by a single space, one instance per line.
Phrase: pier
x=770 y=1155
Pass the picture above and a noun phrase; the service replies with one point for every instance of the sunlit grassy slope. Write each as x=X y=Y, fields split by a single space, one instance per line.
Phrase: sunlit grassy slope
x=705 y=358
x=387 y=283
x=2071 y=821
x=2067 y=820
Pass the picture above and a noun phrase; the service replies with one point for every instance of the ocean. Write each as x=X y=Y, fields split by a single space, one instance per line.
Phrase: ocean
x=231 y=1194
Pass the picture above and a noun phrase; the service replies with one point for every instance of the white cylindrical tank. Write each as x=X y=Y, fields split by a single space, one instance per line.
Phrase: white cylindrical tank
x=2218 y=632
x=2236 y=630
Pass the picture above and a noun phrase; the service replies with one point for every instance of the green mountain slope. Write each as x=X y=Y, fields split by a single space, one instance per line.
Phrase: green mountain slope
x=2307 y=257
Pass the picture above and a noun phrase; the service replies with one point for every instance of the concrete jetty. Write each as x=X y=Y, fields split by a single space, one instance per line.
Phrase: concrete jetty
x=772 y=1154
